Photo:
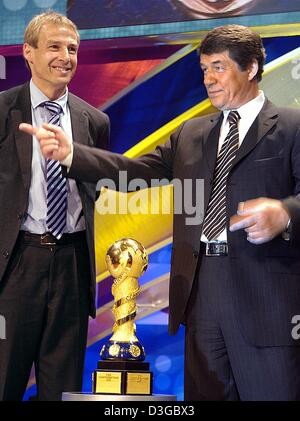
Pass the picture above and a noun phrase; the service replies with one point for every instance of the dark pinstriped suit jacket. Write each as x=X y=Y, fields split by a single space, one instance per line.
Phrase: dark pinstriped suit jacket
x=265 y=278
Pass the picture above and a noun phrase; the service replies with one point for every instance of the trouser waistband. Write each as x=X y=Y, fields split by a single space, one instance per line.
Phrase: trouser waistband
x=48 y=239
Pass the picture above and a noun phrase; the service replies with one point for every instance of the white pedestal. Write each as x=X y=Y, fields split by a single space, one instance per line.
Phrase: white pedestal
x=77 y=396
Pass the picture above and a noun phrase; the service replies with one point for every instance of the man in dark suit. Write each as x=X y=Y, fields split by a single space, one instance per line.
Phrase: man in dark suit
x=47 y=270
x=236 y=287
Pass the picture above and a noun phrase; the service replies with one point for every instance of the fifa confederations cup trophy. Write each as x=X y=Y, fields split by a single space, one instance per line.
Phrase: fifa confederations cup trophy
x=122 y=369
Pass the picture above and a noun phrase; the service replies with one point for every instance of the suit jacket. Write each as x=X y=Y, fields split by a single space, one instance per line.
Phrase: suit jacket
x=90 y=127
x=265 y=279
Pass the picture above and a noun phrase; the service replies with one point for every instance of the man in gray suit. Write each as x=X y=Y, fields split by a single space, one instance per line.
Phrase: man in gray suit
x=47 y=269
x=235 y=286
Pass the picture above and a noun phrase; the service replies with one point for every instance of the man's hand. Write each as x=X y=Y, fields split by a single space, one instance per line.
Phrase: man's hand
x=262 y=219
x=54 y=142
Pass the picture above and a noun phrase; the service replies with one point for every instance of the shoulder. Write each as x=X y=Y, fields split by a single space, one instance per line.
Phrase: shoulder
x=8 y=101
x=289 y=113
x=205 y=119
x=93 y=113
x=285 y=114
x=8 y=97
x=289 y=120
x=201 y=124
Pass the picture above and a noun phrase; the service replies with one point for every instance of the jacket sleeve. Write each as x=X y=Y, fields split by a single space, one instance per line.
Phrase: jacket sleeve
x=91 y=164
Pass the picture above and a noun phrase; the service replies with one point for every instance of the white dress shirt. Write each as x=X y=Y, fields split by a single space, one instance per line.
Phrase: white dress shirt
x=248 y=113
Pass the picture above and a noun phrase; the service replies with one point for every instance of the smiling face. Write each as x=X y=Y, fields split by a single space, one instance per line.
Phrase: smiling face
x=53 y=62
x=228 y=87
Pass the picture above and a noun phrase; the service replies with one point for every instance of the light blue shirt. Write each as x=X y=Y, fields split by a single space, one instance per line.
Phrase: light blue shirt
x=35 y=220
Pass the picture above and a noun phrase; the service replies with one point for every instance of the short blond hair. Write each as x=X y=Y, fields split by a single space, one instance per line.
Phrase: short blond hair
x=34 y=27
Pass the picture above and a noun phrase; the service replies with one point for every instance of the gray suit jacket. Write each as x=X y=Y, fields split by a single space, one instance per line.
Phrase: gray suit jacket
x=90 y=127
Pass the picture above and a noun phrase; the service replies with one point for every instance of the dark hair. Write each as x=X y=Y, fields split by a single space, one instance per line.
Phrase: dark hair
x=243 y=45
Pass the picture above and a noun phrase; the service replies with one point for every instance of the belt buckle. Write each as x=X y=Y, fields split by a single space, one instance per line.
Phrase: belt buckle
x=48 y=239
x=219 y=249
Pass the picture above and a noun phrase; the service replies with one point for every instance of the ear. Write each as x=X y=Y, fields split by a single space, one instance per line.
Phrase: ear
x=27 y=52
x=252 y=70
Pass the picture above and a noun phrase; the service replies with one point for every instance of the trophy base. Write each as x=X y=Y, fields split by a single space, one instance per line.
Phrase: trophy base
x=127 y=351
x=122 y=378
x=89 y=397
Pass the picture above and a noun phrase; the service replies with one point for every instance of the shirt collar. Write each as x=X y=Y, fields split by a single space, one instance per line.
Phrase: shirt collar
x=38 y=97
x=248 y=108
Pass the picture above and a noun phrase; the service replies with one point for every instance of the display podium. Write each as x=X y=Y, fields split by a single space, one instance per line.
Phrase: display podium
x=90 y=397
x=122 y=373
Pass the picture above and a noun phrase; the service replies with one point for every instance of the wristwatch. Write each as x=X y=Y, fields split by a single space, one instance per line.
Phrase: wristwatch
x=286 y=234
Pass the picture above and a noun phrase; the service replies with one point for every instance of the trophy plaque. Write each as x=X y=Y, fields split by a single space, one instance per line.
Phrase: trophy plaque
x=122 y=369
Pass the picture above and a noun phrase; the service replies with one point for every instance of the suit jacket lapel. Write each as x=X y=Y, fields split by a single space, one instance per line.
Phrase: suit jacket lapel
x=21 y=113
x=211 y=143
x=210 y=149
x=262 y=124
x=79 y=120
x=260 y=127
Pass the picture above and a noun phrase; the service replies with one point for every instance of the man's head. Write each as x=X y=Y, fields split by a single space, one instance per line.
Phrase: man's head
x=232 y=58
x=50 y=48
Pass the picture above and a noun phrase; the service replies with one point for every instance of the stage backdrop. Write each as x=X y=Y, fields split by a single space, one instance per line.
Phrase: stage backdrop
x=136 y=80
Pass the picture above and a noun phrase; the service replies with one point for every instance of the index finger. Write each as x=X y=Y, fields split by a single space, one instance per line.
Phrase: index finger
x=243 y=223
x=27 y=128
x=52 y=127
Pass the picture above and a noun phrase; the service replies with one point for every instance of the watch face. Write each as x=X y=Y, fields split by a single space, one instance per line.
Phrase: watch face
x=211 y=8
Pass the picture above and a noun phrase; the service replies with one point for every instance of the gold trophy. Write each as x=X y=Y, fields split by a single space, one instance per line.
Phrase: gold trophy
x=122 y=369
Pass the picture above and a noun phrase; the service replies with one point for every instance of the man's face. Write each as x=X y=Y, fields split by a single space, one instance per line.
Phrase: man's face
x=228 y=87
x=54 y=61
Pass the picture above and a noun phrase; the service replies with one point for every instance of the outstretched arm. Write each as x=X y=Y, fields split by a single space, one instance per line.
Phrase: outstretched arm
x=91 y=164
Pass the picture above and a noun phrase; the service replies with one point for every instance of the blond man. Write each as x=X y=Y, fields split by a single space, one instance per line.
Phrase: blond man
x=47 y=272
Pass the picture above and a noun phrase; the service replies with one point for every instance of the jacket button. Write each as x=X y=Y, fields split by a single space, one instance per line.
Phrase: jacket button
x=20 y=215
x=5 y=254
x=195 y=254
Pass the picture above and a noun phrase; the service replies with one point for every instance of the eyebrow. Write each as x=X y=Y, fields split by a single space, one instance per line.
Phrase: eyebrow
x=213 y=62
x=53 y=41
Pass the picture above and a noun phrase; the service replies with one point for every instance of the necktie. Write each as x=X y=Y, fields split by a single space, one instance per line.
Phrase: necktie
x=56 y=184
x=215 y=218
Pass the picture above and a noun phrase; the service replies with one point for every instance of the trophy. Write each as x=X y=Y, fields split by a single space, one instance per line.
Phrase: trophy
x=122 y=369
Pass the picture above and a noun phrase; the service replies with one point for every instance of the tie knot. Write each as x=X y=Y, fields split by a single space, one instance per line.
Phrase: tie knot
x=233 y=117
x=53 y=107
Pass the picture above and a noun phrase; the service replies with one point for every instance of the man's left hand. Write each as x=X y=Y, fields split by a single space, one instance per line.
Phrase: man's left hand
x=262 y=219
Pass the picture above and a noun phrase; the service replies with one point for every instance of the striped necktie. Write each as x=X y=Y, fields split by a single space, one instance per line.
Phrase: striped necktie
x=56 y=184
x=215 y=218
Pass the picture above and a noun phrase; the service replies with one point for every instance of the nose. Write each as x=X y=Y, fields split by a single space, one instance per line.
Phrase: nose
x=64 y=54
x=209 y=78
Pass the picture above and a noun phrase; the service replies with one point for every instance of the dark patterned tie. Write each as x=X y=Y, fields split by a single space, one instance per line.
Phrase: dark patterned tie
x=215 y=218
x=56 y=184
